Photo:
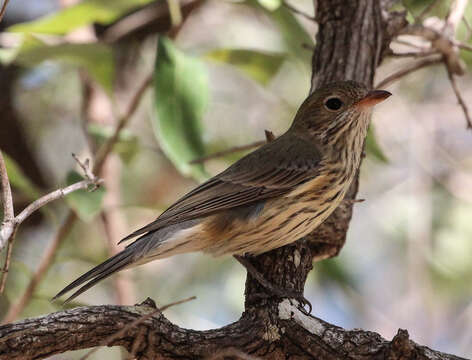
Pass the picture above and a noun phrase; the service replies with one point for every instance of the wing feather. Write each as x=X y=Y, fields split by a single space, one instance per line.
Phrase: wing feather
x=272 y=170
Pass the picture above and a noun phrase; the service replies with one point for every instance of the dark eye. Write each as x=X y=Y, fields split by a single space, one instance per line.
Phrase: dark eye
x=333 y=103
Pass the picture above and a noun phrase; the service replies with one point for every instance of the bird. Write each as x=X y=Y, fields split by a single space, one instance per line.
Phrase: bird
x=269 y=198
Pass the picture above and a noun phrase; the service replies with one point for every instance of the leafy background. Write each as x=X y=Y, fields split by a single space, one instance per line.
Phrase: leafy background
x=218 y=84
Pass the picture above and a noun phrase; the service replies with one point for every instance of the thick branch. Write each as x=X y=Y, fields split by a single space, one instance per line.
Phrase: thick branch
x=276 y=332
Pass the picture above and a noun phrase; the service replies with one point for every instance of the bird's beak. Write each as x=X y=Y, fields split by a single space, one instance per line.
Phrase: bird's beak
x=373 y=98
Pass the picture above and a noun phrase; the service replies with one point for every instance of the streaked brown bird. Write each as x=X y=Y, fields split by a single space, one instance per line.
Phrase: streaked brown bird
x=269 y=198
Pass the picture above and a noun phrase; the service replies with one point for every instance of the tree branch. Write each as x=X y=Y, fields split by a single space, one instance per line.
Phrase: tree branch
x=286 y=328
x=11 y=224
x=4 y=9
x=408 y=70
x=7 y=200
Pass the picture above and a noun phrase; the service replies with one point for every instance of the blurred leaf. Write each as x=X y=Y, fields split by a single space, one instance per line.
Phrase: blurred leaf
x=127 y=145
x=331 y=270
x=261 y=66
x=85 y=203
x=85 y=12
x=293 y=33
x=19 y=180
x=372 y=146
x=270 y=5
x=97 y=59
x=181 y=93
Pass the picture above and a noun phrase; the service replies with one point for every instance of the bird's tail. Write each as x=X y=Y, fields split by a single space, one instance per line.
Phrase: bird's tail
x=165 y=242
x=116 y=263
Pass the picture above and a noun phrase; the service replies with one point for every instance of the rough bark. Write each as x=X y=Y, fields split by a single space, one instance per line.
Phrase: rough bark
x=351 y=39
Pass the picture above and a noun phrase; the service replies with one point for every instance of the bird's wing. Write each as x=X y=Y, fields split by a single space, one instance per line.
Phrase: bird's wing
x=272 y=170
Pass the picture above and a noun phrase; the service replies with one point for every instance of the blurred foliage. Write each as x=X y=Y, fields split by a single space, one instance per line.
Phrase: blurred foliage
x=181 y=98
x=19 y=180
x=270 y=5
x=96 y=58
x=372 y=147
x=294 y=34
x=261 y=66
x=85 y=12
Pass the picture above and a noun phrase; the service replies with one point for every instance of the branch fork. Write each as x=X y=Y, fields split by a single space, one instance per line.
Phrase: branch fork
x=11 y=222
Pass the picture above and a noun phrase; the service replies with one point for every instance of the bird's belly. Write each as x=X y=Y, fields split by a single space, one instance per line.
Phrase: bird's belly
x=282 y=222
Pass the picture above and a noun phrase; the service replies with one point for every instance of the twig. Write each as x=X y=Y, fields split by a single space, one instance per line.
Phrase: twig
x=229 y=151
x=122 y=122
x=4 y=9
x=16 y=309
x=299 y=12
x=426 y=11
x=415 y=54
x=460 y=100
x=407 y=43
x=456 y=13
x=114 y=227
x=6 y=265
x=55 y=195
x=136 y=343
x=7 y=200
x=408 y=70
x=464 y=46
x=269 y=135
x=469 y=29
x=135 y=323
x=175 y=12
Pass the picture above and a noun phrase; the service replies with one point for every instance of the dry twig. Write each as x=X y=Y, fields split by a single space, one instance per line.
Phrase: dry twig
x=135 y=323
x=408 y=70
x=7 y=200
x=229 y=151
x=426 y=11
x=4 y=9
x=105 y=150
x=269 y=137
x=441 y=36
x=299 y=12
x=460 y=100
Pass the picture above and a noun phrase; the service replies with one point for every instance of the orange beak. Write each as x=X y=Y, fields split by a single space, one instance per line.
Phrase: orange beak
x=373 y=98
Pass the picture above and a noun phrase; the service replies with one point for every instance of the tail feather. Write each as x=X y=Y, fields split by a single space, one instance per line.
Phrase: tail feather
x=99 y=272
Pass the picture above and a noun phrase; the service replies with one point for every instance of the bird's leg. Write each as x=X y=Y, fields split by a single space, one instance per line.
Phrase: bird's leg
x=274 y=290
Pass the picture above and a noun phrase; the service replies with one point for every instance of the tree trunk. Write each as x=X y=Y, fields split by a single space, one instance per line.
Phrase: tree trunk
x=351 y=40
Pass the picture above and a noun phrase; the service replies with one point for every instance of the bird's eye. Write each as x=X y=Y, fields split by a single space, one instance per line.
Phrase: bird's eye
x=333 y=103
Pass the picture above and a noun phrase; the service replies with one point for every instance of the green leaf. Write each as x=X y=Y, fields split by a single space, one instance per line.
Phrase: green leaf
x=270 y=5
x=85 y=12
x=372 y=146
x=261 y=66
x=19 y=180
x=87 y=204
x=97 y=59
x=181 y=93
x=127 y=145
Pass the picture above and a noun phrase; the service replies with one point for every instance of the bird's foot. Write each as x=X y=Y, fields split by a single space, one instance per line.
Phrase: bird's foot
x=273 y=289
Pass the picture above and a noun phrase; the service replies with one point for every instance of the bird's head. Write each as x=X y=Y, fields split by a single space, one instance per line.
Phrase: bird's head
x=337 y=111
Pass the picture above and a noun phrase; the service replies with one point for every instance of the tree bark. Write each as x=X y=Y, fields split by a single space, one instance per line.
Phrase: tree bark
x=352 y=37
